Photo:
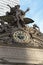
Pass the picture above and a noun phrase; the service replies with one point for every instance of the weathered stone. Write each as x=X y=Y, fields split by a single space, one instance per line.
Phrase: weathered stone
x=18 y=42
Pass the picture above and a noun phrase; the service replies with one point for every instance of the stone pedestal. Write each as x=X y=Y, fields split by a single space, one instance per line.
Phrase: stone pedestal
x=13 y=55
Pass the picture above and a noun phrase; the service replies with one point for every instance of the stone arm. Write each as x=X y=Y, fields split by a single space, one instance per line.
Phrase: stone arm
x=24 y=12
x=11 y=10
x=9 y=6
x=27 y=10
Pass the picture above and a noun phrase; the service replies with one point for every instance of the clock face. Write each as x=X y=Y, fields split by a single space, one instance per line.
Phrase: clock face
x=21 y=36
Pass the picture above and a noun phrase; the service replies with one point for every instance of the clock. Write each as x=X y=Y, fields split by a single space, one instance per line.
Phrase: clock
x=21 y=36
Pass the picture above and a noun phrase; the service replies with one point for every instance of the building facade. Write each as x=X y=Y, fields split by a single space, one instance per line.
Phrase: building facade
x=4 y=7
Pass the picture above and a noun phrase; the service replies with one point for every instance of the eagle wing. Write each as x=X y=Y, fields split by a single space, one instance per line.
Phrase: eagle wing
x=28 y=20
x=8 y=18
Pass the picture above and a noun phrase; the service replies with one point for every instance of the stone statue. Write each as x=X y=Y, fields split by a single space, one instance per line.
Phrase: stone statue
x=16 y=17
x=18 y=14
x=12 y=10
x=16 y=29
x=35 y=26
x=36 y=29
x=17 y=34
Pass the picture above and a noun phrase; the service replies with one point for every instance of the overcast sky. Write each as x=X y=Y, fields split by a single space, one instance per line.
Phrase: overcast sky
x=36 y=11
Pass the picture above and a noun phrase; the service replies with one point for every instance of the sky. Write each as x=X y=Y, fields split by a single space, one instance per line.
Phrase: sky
x=36 y=11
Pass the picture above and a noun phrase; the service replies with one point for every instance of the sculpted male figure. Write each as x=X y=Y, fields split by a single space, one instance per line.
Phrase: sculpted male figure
x=18 y=15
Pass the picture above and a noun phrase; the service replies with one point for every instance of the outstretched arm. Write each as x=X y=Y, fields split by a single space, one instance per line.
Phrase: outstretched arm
x=27 y=10
x=9 y=6
x=24 y=12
